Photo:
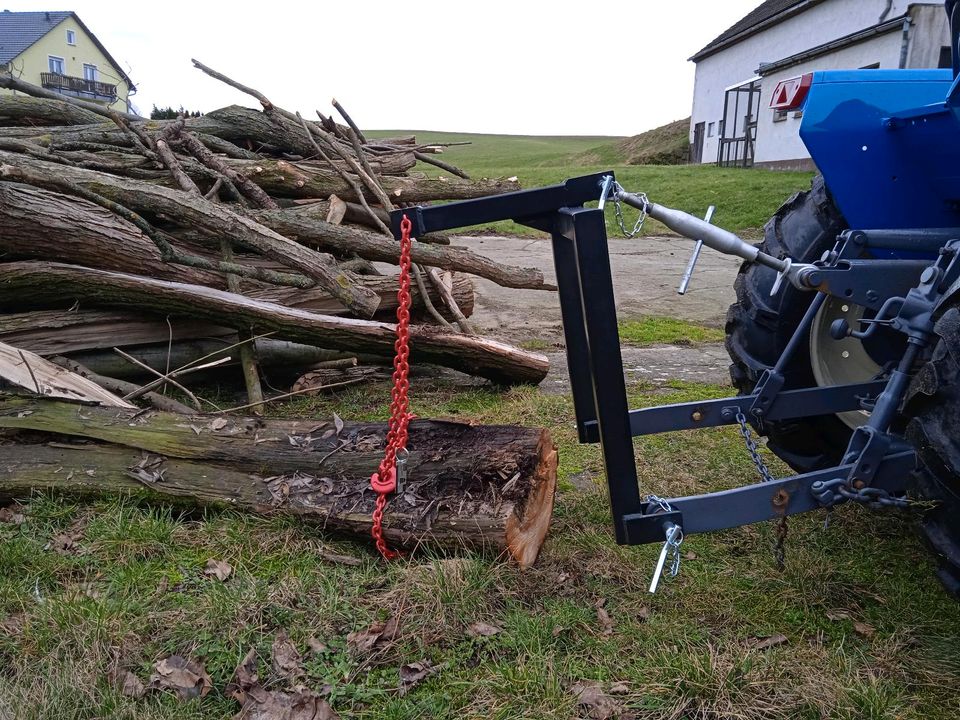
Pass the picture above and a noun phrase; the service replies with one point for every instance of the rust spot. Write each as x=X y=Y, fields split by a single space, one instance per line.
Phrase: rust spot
x=780 y=500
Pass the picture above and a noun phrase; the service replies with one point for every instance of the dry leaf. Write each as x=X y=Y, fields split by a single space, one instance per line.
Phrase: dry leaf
x=643 y=614
x=836 y=615
x=377 y=635
x=65 y=543
x=244 y=677
x=186 y=678
x=619 y=688
x=316 y=647
x=13 y=515
x=413 y=673
x=127 y=683
x=603 y=617
x=338 y=424
x=862 y=628
x=286 y=658
x=690 y=555
x=262 y=704
x=218 y=569
x=218 y=424
x=599 y=705
x=763 y=643
x=482 y=629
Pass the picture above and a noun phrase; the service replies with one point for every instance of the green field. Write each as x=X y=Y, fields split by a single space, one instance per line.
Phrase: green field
x=745 y=199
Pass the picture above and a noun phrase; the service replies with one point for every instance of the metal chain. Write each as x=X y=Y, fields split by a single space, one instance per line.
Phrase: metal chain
x=671 y=545
x=779 y=548
x=618 y=210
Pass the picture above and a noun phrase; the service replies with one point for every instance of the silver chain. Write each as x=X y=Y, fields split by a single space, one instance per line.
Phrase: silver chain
x=779 y=547
x=751 y=444
x=618 y=209
x=674 y=536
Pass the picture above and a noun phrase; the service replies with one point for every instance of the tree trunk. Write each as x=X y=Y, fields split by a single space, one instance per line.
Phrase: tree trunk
x=22 y=110
x=52 y=283
x=476 y=486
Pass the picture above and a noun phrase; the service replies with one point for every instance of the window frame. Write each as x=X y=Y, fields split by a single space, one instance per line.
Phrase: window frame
x=711 y=126
x=96 y=72
x=72 y=34
x=63 y=65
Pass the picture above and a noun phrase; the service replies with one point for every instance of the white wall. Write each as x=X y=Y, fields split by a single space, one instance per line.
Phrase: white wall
x=819 y=24
x=778 y=141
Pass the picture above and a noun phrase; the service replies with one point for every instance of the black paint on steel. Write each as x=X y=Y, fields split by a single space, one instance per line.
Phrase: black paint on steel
x=575 y=335
x=586 y=228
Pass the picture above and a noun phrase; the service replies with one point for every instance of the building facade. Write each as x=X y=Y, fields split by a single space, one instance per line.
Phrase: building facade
x=57 y=51
x=731 y=122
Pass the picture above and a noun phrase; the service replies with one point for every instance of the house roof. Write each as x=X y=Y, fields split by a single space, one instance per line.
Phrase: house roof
x=766 y=14
x=20 y=30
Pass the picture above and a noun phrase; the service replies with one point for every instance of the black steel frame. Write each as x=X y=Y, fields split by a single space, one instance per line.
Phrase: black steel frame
x=877 y=458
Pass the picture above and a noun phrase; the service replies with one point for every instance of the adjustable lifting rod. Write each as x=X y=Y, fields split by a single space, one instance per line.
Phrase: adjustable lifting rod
x=696 y=229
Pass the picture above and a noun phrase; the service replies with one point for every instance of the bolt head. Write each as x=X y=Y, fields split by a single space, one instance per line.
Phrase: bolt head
x=696 y=416
x=859 y=484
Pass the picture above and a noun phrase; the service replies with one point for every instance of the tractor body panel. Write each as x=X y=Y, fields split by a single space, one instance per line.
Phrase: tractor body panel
x=887 y=144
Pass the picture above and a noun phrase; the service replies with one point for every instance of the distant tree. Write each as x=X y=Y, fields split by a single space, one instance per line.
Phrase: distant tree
x=168 y=113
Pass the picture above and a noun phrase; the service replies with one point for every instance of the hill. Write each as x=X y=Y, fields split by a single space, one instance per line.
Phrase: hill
x=665 y=145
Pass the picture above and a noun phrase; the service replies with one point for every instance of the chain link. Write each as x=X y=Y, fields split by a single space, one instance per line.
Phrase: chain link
x=618 y=210
x=779 y=548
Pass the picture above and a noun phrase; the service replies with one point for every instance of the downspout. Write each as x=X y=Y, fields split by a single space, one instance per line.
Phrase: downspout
x=905 y=42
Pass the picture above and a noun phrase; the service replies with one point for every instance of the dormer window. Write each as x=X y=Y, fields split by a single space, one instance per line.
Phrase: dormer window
x=71 y=37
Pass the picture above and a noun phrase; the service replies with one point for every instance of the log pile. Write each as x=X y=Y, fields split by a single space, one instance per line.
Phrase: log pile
x=135 y=253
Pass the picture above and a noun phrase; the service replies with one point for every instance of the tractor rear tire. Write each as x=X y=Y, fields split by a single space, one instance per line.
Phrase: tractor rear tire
x=933 y=406
x=759 y=326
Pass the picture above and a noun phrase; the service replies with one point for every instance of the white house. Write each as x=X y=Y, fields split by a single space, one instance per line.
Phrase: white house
x=732 y=123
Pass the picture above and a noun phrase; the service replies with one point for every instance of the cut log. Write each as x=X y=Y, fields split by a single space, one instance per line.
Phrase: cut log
x=473 y=486
x=40 y=283
x=26 y=111
x=281 y=178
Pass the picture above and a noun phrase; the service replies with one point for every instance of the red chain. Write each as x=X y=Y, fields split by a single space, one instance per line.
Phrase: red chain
x=399 y=407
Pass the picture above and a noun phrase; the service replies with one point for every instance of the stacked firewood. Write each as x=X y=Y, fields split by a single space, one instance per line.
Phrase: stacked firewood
x=254 y=239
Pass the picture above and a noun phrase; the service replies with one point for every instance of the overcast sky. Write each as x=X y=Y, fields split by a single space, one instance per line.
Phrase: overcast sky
x=494 y=66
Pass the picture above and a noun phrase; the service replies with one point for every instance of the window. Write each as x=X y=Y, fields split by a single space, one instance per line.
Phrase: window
x=90 y=72
x=720 y=128
x=56 y=64
x=71 y=37
x=710 y=129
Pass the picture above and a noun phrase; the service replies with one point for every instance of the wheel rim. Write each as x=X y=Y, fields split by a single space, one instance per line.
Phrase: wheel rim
x=840 y=362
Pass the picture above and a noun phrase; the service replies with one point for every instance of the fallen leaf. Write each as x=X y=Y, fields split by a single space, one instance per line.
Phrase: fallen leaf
x=413 y=673
x=13 y=515
x=262 y=704
x=603 y=617
x=836 y=615
x=482 y=629
x=643 y=614
x=286 y=658
x=195 y=429
x=763 y=643
x=599 y=705
x=862 y=628
x=127 y=683
x=244 y=677
x=619 y=688
x=218 y=569
x=218 y=424
x=378 y=634
x=316 y=647
x=338 y=424
x=186 y=678
x=690 y=555
x=63 y=543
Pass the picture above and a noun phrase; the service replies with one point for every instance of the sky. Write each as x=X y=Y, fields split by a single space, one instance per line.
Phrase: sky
x=492 y=66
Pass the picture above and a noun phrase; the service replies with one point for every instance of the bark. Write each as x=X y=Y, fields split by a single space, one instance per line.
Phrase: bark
x=189 y=209
x=374 y=246
x=477 y=486
x=26 y=111
x=122 y=387
x=53 y=283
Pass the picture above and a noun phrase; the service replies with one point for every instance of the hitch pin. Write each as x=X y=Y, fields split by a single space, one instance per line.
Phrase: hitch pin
x=671 y=545
x=605 y=183
x=685 y=280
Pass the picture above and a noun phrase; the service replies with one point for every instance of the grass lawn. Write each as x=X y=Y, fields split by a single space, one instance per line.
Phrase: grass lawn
x=745 y=199
x=856 y=627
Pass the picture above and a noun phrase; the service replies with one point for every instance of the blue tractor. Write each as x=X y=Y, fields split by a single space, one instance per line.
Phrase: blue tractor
x=845 y=337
